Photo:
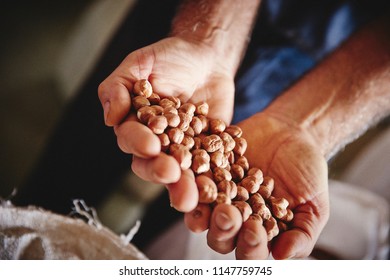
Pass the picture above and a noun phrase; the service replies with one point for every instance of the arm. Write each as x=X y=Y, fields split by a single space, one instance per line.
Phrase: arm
x=223 y=25
x=346 y=94
x=329 y=107
x=198 y=61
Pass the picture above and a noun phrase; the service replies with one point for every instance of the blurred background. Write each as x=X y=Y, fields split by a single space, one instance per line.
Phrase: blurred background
x=47 y=50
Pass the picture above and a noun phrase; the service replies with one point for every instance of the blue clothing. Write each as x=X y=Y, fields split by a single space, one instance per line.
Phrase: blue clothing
x=289 y=39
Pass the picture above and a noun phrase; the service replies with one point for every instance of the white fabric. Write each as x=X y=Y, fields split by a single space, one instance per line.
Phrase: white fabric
x=358 y=228
x=371 y=168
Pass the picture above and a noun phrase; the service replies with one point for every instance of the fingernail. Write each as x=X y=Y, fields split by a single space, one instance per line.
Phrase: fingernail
x=251 y=238
x=106 y=109
x=197 y=214
x=223 y=221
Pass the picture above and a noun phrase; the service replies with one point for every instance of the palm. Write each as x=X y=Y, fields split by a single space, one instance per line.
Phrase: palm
x=289 y=156
x=176 y=67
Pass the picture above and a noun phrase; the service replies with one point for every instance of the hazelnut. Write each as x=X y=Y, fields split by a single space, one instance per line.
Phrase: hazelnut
x=205 y=123
x=173 y=147
x=157 y=124
x=228 y=187
x=250 y=183
x=243 y=162
x=189 y=132
x=198 y=143
x=196 y=125
x=262 y=210
x=221 y=174
x=244 y=209
x=188 y=141
x=140 y=101
x=176 y=135
x=217 y=159
x=256 y=199
x=185 y=120
x=143 y=88
x=225 y=162
x=202 y=108
x=201 y=153
x=154 y=99
x=187 y=108
x=279 y=201
x=183 y=157
x=173 y=119
x=207 y=189
x=279 y=207
x=242 y=193
x=165 y=103
x=228 y=141
x=212 y=143
x=164 y=139
x=234 y=131
x=175 y=100
x=222 y=198
x=240 y=146
x=216 y=126
x=271 y=227
x=237 y=172
x=288 y=216
x=144 y=113
x=209 y=174
x=257 y=173
x=171 y=110
x=158 y=110
x=266 y=187
x=230 y=157
x=200 y=164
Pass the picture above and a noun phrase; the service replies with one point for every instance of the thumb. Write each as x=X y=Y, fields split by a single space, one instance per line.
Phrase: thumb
x=115 y=99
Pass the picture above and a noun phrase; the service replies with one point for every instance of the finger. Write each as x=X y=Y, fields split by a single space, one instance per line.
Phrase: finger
x=300 y=240
x=252 y=243
x=162 y=169
x=115 y=98
x=183 y=194
x=225 y=223
x=198 y=219
x=114 y=91
x=135 y=138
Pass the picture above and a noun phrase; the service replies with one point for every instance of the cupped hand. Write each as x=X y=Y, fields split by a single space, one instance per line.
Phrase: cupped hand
x=287 y=153
x=174 y=67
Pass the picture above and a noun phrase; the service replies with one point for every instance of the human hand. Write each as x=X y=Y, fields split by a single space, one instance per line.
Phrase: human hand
x=175 y=67
x=288 y=154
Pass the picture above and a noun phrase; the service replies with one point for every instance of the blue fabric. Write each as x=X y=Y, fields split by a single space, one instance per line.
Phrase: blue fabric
x=290 y=38
x=273 y=71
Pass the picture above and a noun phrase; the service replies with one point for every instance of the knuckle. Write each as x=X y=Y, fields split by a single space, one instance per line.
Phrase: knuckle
x=102 y=89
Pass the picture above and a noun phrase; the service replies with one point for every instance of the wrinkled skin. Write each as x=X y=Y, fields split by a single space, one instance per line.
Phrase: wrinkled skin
x=283 y=151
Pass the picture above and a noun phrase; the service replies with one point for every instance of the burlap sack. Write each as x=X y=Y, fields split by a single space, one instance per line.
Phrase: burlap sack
x=32 y=233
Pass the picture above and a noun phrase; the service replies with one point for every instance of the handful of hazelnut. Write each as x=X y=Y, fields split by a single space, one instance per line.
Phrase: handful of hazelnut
x=215 y=153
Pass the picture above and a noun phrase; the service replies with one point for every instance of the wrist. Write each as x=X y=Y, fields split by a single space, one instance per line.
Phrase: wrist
x=224 y=26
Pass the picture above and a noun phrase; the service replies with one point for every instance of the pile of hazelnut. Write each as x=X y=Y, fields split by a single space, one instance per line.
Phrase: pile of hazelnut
x=215 y=153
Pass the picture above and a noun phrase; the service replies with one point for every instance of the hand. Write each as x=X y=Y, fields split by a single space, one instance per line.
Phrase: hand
x=177 y=67
x=288 y=154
